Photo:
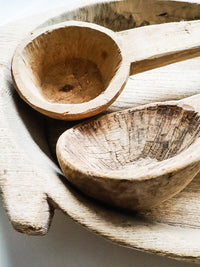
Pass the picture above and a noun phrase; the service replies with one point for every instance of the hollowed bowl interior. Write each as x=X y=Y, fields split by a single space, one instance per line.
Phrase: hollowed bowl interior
x=132 y=139
x=71 y=64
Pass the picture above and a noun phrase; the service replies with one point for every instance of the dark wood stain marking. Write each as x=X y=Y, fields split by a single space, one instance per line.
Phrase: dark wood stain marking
x=163 y=14
x=66 y=88
x=104 y=54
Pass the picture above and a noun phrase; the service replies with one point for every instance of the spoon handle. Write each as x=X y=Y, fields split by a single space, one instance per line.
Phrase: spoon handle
x=154 y=46
x=193 y=102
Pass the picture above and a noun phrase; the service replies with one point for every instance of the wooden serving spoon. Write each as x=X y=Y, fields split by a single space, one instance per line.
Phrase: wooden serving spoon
x=135 y=158
x=75 y=70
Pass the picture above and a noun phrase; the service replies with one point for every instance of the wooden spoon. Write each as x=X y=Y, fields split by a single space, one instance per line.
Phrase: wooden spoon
x=134 y=158
x=75 y=70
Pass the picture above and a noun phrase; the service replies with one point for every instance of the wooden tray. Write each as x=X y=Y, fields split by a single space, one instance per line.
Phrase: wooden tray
x=31 y=183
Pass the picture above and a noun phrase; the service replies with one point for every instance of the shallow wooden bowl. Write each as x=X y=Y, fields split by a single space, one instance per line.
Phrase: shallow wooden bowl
x=32 y=185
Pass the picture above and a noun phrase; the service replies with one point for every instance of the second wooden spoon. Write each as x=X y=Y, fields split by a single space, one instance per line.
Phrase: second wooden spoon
x=135 y=158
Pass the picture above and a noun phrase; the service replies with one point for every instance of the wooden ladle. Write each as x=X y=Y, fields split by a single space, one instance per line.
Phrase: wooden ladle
x=135 y=158
x=75 y=70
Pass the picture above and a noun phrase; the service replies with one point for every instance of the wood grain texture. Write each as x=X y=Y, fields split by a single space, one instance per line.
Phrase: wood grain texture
x=136 y=158
x=32 y=188
x=159 y=45
x=74 y=70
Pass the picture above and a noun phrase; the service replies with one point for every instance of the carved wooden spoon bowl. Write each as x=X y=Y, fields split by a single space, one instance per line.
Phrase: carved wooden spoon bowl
x=75 y=70
x=134 y=158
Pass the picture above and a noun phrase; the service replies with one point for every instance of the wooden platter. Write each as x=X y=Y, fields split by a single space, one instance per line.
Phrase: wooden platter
x=31 y=183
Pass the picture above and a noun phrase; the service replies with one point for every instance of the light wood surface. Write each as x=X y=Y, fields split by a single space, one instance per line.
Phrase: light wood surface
x=31 y=183
x=74 y=70
x=136 y=158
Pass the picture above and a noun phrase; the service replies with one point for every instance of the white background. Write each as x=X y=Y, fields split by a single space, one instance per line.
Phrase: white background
x=67 y=243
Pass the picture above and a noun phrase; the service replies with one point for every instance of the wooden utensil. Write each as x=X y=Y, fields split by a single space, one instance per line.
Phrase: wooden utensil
x=134 y=158
x=172 y=228
x=75 y=70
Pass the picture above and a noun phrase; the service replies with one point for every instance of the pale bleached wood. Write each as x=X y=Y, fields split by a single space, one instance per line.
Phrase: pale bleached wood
x=171 y=229
x=136 y=158
x=159 y=45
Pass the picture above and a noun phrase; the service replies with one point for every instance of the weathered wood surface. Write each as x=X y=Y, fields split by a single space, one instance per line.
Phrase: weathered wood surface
x=49 y=65
x=135 y=158
x=31 y=183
